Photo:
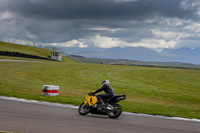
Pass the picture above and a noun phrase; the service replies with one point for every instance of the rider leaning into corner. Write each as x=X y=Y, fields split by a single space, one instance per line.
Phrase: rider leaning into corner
x=109 y=92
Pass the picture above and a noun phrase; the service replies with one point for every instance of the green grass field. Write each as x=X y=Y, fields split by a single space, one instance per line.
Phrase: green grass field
x=158 y=91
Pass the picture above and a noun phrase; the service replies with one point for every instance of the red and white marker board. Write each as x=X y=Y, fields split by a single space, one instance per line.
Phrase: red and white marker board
x=50 y=90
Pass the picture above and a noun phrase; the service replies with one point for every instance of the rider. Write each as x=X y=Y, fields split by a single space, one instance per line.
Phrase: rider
x=107 y=89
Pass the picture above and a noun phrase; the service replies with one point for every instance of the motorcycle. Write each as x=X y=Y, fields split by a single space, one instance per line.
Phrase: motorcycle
x=111 y=108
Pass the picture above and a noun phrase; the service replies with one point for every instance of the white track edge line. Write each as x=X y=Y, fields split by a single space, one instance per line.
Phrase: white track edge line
x=76 y=107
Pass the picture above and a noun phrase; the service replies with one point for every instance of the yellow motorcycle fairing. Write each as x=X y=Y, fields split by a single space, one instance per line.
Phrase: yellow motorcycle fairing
x=91 y=100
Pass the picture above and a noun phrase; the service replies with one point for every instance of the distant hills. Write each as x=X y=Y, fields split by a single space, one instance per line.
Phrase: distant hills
x=182 y=51
x=185 y=55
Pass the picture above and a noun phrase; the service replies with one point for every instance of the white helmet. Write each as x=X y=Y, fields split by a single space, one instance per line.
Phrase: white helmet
x=105 y=82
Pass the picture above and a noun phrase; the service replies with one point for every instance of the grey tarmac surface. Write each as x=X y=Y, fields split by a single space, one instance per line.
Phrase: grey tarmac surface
x=22 y=117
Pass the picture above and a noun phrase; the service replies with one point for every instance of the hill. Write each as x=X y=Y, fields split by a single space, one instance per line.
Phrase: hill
x=184 y=55
x=182 y=51
x=27 y=50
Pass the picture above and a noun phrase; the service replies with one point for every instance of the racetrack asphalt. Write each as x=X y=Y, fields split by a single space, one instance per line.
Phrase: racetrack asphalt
x=24 y=117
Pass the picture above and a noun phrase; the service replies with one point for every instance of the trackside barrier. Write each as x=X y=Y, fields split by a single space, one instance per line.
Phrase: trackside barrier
x=17 y=54
x=50 y=90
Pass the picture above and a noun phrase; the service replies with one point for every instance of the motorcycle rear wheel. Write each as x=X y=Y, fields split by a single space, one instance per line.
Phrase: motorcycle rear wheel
x=84 y=109
x=116 y=112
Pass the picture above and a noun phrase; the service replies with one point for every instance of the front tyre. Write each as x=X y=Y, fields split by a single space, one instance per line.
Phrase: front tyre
x=116 y=112
x=84 y=109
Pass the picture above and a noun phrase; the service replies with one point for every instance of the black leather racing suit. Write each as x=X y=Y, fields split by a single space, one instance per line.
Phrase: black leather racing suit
x=108 y=90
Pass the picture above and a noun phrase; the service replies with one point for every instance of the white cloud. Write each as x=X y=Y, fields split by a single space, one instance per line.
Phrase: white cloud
x=109 y=42
x=156 y=43
x=170 y=35
x=77 y=43
x=166 y=21
x=35 y=1
x=6 y=15
x=184 y=4
x=198 y=11
x=125 y=0
x=102 y=41
x=187 y=4
x=171 y=21
x=31 y=36
x=195 y=4
x=193 y=27
x=104 y=29
x=72 y=43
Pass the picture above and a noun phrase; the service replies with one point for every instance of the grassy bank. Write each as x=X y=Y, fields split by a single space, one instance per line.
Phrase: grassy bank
x=160 y=91
x=9 y=47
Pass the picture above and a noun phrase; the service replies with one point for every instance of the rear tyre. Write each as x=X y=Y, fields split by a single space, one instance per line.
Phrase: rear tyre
x=116 y=112
x=84 y=109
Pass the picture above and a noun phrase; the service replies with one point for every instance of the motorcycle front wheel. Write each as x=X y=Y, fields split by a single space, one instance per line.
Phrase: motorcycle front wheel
x=116 y=112
x=84 y=109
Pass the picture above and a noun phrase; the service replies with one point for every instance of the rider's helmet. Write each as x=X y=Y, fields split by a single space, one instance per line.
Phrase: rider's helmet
x=105 y=82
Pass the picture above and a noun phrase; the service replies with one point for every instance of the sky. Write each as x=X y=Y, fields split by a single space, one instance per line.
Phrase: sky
x=154 y=24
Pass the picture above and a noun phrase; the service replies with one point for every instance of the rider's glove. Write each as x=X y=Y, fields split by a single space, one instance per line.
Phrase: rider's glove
x=91 y=94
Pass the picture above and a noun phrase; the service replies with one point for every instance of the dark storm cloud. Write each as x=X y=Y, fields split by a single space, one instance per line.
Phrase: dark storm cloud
x=98 y=9
x=150 y=23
